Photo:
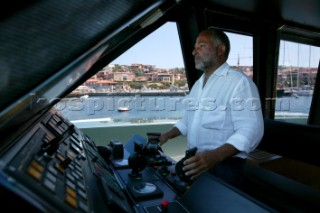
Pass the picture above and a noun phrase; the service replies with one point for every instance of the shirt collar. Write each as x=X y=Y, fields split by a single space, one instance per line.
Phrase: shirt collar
x=222 y=70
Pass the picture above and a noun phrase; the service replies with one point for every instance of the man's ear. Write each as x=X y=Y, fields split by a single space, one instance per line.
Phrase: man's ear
x=221 y=49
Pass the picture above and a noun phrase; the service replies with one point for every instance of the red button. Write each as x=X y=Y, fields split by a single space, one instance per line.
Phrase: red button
x=164 y=204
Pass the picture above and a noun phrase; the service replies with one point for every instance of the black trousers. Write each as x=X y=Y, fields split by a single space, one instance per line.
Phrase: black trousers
x=230 y=171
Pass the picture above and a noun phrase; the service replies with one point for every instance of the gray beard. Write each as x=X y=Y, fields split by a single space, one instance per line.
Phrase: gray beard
x=204 y=66
x=200 y=66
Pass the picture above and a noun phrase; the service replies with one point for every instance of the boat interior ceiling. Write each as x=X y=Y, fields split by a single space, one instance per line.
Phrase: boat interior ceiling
x=49 y=48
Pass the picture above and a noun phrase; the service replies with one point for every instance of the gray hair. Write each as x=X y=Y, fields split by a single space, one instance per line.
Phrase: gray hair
x=219 y=37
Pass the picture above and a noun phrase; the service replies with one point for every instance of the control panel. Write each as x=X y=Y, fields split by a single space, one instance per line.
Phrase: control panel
x=59 y=169
x=54 y=167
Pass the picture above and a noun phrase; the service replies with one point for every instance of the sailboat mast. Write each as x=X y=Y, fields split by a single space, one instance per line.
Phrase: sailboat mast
x=309 y=76
x=298 y=68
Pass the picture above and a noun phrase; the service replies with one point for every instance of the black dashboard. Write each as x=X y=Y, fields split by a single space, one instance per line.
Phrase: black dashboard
x=55 y=167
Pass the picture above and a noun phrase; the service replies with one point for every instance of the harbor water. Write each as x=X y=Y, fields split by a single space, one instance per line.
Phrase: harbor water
x=102 y=110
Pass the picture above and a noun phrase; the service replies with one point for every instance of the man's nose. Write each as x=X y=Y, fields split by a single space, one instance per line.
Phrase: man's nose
x=194 y=51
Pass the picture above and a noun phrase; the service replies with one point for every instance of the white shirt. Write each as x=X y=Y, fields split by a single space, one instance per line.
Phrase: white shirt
x=226 y=110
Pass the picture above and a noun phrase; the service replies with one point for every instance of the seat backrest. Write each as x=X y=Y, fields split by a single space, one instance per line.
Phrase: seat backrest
x=295 y=141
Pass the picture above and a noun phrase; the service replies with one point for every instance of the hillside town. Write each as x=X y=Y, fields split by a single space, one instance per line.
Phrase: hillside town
x=138 y=78
x=141 y=78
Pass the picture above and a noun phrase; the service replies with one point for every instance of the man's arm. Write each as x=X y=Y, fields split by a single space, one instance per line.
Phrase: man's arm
x=172 y=133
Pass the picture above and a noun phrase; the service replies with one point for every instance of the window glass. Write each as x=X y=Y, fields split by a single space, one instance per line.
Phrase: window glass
x=146 y=84
x=241 y=53
x=297 y=70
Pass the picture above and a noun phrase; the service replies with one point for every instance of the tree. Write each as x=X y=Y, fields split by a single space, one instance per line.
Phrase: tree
x=135 y=85
x=116 y=68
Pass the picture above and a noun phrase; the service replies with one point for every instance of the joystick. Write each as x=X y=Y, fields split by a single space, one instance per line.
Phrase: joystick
x=179 y=165
x=145 y=154
x=137 y=161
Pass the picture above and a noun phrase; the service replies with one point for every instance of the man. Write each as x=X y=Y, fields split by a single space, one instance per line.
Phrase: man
x=225 y=120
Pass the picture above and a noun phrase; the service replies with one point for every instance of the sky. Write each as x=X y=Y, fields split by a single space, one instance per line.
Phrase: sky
x=162 y=49
x=300 y=55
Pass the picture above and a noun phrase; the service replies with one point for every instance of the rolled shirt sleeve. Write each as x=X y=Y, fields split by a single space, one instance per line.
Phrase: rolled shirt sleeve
x=246 y=117
x=228 y=111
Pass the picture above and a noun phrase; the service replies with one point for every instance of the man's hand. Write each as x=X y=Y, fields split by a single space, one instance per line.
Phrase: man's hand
x=198 y=164
x=203 y=161
x=163 y=138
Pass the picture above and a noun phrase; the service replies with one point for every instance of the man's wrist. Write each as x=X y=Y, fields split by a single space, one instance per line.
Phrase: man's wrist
x=166 y=136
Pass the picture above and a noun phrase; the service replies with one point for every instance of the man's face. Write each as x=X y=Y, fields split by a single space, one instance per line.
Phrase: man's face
x=205 y=53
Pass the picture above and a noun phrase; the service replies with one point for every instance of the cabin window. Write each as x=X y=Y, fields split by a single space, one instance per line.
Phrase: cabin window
x=144 y=85
x=297 y=71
